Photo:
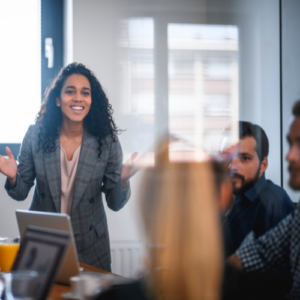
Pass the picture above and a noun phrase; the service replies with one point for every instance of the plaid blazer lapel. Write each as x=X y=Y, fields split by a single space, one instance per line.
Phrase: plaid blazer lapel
x=53 y=172
x=88 y=157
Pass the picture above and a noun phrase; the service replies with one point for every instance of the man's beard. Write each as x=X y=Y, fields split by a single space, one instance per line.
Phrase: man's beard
x=246 y=185
x=294 y=181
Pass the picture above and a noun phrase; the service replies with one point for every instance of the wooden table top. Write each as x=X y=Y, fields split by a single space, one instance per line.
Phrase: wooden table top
x=58 y=289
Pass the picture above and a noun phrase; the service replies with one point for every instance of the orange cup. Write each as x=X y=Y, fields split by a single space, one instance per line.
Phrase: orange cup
x=9 y=249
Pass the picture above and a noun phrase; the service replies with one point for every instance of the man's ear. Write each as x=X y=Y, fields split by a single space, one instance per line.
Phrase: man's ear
x=263 y=166
x=225 y=195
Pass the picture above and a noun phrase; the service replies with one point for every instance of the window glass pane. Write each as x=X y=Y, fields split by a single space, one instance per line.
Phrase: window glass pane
x=20 y=67
x=203 y=87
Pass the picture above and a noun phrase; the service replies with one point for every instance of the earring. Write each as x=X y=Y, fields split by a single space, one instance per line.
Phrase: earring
x=57 y=104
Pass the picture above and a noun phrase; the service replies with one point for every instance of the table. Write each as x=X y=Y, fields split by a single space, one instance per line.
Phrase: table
x=58 y=289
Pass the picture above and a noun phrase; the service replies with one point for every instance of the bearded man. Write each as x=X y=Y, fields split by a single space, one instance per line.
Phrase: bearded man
x=279 y=247
x=259 y=204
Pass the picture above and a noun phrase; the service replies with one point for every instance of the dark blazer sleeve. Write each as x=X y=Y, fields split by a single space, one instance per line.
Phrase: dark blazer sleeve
x=116 y=198
x=26 y=170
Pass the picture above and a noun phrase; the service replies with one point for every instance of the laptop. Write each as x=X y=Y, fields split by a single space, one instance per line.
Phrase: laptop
x=42 y=250
x=70 y=265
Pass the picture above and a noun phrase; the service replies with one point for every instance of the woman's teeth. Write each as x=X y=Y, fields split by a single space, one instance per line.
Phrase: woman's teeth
x=77 y=107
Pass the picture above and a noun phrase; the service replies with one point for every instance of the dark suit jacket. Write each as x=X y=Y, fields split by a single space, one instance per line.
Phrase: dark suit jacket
x=241 y=285
x=258 y=209
x=94 y=175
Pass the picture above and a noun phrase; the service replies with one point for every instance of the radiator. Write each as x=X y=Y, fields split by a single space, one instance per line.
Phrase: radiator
x=127 y=258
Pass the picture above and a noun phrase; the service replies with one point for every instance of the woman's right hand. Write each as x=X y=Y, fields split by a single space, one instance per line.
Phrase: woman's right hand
x=8 y=167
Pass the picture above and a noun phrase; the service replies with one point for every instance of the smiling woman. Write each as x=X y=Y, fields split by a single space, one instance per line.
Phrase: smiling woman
x=75 y=103
x=75 y=95
x=75 y=98
x=70 y=88
x=74 y=154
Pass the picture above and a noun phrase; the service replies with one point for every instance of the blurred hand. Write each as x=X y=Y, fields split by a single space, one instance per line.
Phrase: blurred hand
x=8 y=167
x=131 y=167
x=235 y=261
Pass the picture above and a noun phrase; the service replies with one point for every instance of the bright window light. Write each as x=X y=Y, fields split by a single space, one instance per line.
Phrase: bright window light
x=20 y=61
x=203 y=87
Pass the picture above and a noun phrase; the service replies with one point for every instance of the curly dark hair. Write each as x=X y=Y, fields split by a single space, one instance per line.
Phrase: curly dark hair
x=98 y=122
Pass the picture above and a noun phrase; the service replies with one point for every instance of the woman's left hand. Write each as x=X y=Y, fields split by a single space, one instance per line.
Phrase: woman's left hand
x=129 y=169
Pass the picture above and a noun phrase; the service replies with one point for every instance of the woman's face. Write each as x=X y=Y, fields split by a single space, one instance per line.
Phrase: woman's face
x=75 y=98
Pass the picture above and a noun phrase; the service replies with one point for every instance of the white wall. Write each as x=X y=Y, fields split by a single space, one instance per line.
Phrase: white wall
x=291 y=75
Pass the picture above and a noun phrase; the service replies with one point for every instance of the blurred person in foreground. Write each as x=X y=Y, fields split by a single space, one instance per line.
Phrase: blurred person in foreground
x=259 y=204
x=280 y=246
x=182 y=205
x=181 y=221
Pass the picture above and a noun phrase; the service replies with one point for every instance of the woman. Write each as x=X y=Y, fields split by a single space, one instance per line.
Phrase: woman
x=74 y=154
x=181 y=221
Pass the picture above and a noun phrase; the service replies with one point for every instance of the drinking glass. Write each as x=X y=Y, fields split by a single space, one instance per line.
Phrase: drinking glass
x=9 y=248
x=20 y=285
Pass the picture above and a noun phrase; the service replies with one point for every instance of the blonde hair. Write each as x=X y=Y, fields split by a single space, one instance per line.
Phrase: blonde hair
x=181 y=221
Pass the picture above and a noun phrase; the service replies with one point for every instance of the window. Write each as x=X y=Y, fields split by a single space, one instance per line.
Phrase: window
x=20 y=75
x=203 y=86
x=25 y=71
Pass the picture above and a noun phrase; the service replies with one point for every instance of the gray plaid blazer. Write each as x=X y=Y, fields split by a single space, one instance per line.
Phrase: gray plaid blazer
x=94 y=176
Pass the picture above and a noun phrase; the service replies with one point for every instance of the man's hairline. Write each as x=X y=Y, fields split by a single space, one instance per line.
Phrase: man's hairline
x=255 y=148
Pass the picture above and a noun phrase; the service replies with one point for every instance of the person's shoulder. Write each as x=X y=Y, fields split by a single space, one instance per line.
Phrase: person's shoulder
x=277 y=193
x=32 y=133
x=33 y=129
x=112 y=138
x=274 y=188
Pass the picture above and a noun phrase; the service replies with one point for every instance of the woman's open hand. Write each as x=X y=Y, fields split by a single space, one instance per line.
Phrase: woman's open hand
x=129 y=169
x=8 y=167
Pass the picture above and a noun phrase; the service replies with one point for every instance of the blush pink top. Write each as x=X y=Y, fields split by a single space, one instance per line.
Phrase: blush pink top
x=68 y=173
